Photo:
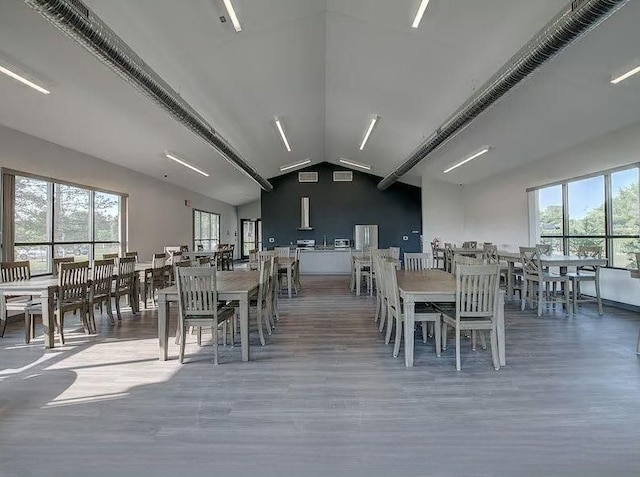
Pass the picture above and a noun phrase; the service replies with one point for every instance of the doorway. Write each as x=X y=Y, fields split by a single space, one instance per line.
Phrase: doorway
x=251 y=238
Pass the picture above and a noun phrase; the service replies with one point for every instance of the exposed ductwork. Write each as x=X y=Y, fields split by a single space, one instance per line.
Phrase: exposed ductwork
x=569 y=25
x=81 y=24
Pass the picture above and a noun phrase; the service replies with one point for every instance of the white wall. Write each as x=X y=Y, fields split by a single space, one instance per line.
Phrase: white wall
x=157 y=212
x=496 y=209
x=250 y=210
x=442 y=213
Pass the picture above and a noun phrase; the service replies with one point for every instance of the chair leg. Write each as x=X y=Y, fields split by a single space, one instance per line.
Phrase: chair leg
x=60 y=320
x=523 y=295
x=574 y=288
x=598 y=297
x=444 y=336
x=483 y=340
x=118 y=313
x=259 y=312
x=215 y=343
x=458 y=348
x=540 y=297
x=567 y=309
x=399 y=331
x=390 y=321
x=424 y=331
x=437 y=334
x=183 y=332
x=494 y=348
x=28 y=322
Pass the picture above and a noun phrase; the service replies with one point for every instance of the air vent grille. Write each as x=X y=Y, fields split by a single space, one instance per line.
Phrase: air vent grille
x=307 y=177
x=342 y=176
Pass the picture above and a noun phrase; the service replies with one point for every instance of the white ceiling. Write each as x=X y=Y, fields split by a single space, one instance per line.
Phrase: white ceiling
x=323 y=67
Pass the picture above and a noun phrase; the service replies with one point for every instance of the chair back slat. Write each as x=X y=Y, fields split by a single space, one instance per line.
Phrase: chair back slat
x=416 y=261
x=14 y=271
x=476 y=290
x=58 y=261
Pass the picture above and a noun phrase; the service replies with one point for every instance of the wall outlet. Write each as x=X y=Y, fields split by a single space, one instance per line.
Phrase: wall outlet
x=405 y=238
x=271 y=240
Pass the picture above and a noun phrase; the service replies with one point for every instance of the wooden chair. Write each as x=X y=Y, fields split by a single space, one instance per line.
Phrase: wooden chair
x=416 y=261
x=204 y=262
x=132 y=254
x=11 y=272
x=381 y=300
x=108 y=256
x=490 y=256
x=282 y=251
x=544 y=248
x=395 y=311
x=475 y=310
x=394 y=253
x=58 y=261
x=73 y=290
x=253 y=260
x=534 y=274
x=587 y=273
x=100 y=290
x=448 y=257
x=198 y=304
x=125 y=280
x=470 y=244
x=438 y=257
x=156 y=278
x=296 y=271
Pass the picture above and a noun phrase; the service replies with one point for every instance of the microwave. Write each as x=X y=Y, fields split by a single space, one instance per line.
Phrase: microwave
x=342 y=243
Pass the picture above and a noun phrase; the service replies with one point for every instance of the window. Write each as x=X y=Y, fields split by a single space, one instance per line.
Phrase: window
x=52 y=219
x=602 y=210
x=206 y=230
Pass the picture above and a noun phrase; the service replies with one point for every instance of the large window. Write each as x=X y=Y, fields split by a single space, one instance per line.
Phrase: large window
x=206 y=230
x=53 y=219
x=602 y=210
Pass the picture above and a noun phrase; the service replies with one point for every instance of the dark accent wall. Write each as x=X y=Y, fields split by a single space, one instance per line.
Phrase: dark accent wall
x=335 y=207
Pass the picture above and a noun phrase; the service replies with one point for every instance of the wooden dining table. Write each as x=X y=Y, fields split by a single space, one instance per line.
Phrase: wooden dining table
x=237 y=286
x=436 y=286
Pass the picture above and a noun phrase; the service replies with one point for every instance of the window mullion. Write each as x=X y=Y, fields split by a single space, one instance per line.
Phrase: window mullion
x=565 y=219
x=608 y=219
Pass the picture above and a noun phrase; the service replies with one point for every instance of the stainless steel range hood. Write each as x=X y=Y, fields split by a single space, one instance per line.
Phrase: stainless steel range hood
x=304 y=214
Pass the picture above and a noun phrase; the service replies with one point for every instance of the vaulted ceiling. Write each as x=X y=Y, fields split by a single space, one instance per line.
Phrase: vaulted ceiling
x=325 y=67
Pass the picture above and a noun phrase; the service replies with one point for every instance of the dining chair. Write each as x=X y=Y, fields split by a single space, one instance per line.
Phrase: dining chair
x=448 y=257
x=282 y=251
x=470 y=244
x=296 y=271
x=544 y=248
x=396 y=312
x=73 y=291
x=132 y=254
x=124 y=284
x=11 y=272
x=394 y=253
x=273 y=309
x=381 y=301
x=416 y=261
x=198 y=304
x=57 y=261
x=490 y=256
x=534 y=274
x=261 y=302
x=438 y=257
x=475 y=307
x=100 y=290
x=253 y=259
x=586 y=273
x=155 y=278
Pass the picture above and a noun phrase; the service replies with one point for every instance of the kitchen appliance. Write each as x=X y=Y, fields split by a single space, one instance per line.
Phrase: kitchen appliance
x=365 y=237
x=307 y=244
x=342 y=243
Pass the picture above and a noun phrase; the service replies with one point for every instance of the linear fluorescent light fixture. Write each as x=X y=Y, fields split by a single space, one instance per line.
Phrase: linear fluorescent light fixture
x=626 y=75
x=420 y=13
x=232 y=14
x=282 y=135
x=481 y=151
x=23 y=80
x=174 y=157
x=296 y=164
x=366 y=167
x=374 y=120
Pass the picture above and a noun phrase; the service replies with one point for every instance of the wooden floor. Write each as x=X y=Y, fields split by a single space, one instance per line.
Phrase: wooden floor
x=325 y=398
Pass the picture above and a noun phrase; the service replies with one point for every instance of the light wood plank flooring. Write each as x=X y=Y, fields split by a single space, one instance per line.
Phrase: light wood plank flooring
x=325 y=398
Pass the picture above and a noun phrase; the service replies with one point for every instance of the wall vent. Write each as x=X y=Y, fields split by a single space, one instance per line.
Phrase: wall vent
x=307 y=177
x=342 y=176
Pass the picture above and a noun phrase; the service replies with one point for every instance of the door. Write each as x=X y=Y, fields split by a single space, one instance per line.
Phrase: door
x=249 y=238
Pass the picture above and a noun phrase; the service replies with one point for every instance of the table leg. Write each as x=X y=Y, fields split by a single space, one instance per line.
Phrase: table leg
x=163 y=326
x=48 y=325
x=289 y=268
x=510 y=280
x=500 y=329
x=409 y=325
x=135 y=295
x=244 y=327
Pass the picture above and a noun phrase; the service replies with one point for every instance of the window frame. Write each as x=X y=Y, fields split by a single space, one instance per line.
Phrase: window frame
x=214 y=241
x=608 y=237
x=8 y=217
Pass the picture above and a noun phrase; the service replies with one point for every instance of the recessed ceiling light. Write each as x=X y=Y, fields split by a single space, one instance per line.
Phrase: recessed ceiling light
x=480 y=152
x=296 y=164
x=626 y=75
x=23 y=80
x=366 y=167
x=374 y=120
x=176 y=158
x=419 y=13
x=232 y=14
x=282 y=135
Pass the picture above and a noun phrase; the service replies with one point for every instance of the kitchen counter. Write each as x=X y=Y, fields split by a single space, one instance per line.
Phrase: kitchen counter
x=325 y=261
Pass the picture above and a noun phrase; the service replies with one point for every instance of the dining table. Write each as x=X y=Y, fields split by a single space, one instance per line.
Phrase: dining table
x=436 y=286
x=239 y=285
x=562 y=262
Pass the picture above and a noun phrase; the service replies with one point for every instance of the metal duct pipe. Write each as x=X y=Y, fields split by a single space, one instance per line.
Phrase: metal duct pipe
x=572 y=23
x=81 y=24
